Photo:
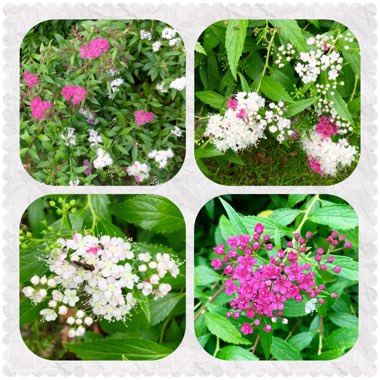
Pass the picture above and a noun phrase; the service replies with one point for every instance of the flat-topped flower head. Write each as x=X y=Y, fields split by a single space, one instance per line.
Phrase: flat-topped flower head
x=39 y=107
x=31 y=79
x=74 y=93
x=94 y=49
x=142 y=117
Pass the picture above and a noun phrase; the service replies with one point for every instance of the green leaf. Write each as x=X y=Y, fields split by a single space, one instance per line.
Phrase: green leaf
x=235 y=353
x=144 y=304
x=160 y=309
x=353 y=59
x=340 y=106
x=211 y=98
x=151 y=212
x=76 y=221
x=342 y=338
x=282 y=350
x=244 y=84
x=120 y=349
x=298 y=106
x=274 y=90
x=224 y=329
x=349 y=267
x=291 y=32
x=235 y=37
x=237 y=224
x=203 y=339
x=270 y=226
x=199 y=48
x=204 y=276
x=207 y=151
x=30 y=312
x=36 y=214
x=266 y=339
x=341 y=217
x=285 y=216
x=302 y=340
x=292 y=308
x=294 y=199
x=344 y=319
x=32 y=262
x=328 y=355
x=107 y=228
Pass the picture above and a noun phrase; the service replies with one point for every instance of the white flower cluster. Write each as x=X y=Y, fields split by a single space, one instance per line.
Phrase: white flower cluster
x=69 y=137
x=115 y=84
x=176 y=131
x=161 y=157
x=103 y=159
x=329 y=154
x=139 y=171
x=113 y=72
x=145 y=35
x=310 y=64
x=161 y=87
x=156 y=46
x=245 y=121
x=98 y=275
x=94 y=137
x=74 y=182
x=178 y=84
x=89 y=115
x=168 y=33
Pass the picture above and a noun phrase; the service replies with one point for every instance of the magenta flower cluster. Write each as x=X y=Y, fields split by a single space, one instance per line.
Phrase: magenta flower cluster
x=142 y=117
x=326 y=128
x=39 y=107
x=315 y=165
x=31 y=79
x=261 y=288
x=94 y=49
x=74 y=93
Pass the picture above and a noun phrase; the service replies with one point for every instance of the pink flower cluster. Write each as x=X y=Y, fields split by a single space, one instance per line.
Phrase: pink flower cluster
x=39 y=107
x=315 y=165
x=142 y=117
x=87 y=163
x=326 y=128
x=31 y=79
x=261 y=290
x=75 y=93
x=94 y=49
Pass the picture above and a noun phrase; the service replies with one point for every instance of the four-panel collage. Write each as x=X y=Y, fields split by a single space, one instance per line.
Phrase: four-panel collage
x=103 y=276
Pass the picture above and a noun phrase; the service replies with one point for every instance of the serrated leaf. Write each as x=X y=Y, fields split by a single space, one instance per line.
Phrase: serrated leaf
x=237 y=224
x=117 y=349
x=349 y=267
x=32 y=262
x=235 y=353
x=211 y=98
x=270 y=226
x=294 y=199
x=199 y=48
x=342 y=338
x=292 y=308
x=291 y=32
x=282 y=350
x=160 y=309
x=328 y=355
x=284 y=216
x=151 y=212
x=204 y=276
x=224 y=329
x=341 y=217
x=302 y=340
x=235 y=37
x=244 y=84
x=274 y=90
x=344 y=319
x=298 y=106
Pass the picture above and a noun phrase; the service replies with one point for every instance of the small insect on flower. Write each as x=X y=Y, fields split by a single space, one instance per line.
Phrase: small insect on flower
x=85 y=266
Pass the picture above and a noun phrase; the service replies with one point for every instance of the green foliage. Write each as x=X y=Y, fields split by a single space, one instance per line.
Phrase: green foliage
x=51 y=50
x=299 y=338
x=155 y=327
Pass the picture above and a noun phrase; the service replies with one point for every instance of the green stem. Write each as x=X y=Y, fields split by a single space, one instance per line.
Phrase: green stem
x=211 y=299
x=266 y=60
x=355 y=85
x=307 y=212
x=93 y=213
x=217 y=348
x=164 y=328
x=320 y=344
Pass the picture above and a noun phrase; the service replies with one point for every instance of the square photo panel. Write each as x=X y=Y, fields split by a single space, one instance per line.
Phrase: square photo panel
x=101 y=281
x=277 y=102
x=276 y=277
x=102 y=102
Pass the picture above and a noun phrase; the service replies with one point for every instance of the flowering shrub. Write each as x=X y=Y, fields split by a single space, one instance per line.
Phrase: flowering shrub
x=288 y=101
x=280 y=285
x=97 y=97
x=104 y=289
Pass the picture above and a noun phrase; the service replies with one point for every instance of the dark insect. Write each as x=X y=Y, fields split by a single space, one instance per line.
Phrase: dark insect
x=85 y=266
